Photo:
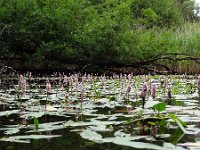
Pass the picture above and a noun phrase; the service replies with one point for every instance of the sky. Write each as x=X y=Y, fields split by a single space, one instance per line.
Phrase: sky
x=197 y=1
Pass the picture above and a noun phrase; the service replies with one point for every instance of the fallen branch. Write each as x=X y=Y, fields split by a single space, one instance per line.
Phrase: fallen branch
x=4 y=28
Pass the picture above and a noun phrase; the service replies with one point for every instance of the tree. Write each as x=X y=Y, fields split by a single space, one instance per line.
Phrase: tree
x=167 y=12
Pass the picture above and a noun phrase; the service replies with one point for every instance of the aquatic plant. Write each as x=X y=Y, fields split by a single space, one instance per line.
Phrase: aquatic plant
x=108 y=119
x=21 y=84
x=128 y=90
x=143 y=93
x=153 y=90
x=81 y=99
x=48 y=87
x=169 y=95
x=36 y=123
x=48 y=91
x=198 y=84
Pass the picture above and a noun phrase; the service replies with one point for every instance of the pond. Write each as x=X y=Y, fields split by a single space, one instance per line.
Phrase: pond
x=118 y=112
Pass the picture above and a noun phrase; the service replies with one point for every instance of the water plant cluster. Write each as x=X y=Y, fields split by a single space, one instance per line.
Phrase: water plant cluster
x=141 y=112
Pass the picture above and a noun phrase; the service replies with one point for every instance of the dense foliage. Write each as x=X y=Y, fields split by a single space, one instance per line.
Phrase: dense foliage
x=50 y=34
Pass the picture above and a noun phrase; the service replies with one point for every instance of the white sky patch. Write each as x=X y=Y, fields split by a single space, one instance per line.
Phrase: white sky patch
x=197 y=1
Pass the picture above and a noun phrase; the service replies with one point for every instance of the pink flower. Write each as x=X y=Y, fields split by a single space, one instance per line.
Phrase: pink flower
x=129 y=77
x=66 y=95
x=144 y=90
x=143 y=93
x=165 y=82
x=103 y=79
x=84 y=78
x=48 y=86
x=30 y=76
x=71 y=80
x=149 y=87
x=88 y=77
x=67 y=80
x=154 y=90
x=22 y=84
x=76 y=82
x=128 y=89
x=81 y=96
x=125 y=76
x=143 y=78
x=169 y=94
x=198 y=83
x=129 y=109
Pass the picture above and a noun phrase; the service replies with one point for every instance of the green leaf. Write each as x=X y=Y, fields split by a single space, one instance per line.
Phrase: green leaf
x=113 y=98
x=160 y=106
x=163 y=123
x=36 y=123
x=152 y=123
x=176 y=137
x=172 y=116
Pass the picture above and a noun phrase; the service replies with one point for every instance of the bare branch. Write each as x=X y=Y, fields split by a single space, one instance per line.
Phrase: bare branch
x=4 y=28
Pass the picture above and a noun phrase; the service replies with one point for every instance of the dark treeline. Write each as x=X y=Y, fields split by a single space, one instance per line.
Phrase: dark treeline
x=82 y=35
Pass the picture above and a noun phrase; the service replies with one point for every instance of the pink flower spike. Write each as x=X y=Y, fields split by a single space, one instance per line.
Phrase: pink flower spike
x=129 y=109
x=154 y=90
x=66 y=94
x=144 y=90
x=22 y=84
x=198 y=83
x=129 y=77
x=128 y=89
x=30 y=76
x=48 y=86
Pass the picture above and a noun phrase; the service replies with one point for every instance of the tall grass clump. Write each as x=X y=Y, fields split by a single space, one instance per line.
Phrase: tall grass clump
x=188 y=41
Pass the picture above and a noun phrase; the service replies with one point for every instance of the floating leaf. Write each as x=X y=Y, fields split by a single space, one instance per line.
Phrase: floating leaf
x=25 y=138
x=7 y=113
x=91 y=135
x=33 y=114
x=160 y=106
x=197 y=144
x=163 y=136
x=10 y=131
x=50 y=126
x=101 y=128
